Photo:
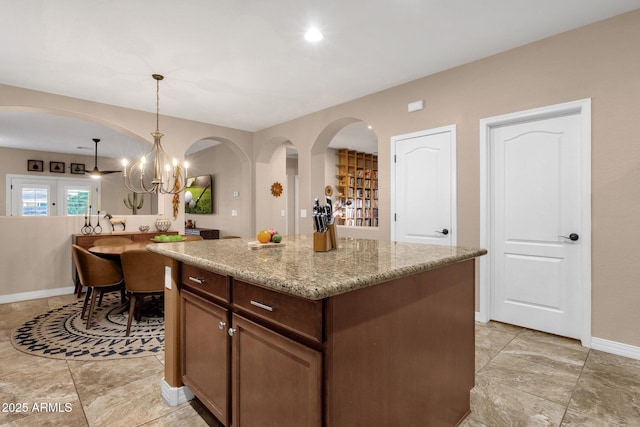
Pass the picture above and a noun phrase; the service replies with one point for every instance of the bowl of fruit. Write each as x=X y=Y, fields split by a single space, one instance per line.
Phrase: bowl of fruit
x=267 y=238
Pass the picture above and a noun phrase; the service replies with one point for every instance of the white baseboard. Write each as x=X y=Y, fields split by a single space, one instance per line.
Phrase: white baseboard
x=614 y=347
x=45 y=293
x=175 y=396
x=479 y=318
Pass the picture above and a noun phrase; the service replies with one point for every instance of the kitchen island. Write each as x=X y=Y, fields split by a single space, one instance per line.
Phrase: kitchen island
x=372 y=333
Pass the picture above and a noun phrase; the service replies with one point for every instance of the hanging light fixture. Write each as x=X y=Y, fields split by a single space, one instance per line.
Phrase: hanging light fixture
x=175 y=175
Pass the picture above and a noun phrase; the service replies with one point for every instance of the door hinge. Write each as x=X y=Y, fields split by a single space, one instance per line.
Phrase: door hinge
x=395 y=159
x=395 y=217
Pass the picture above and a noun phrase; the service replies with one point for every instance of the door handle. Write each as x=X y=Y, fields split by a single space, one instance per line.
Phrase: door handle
x=573 y=237
x=444 y=231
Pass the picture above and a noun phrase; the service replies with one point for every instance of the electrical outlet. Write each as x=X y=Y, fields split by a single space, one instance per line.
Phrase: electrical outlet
x=167 y=277
x=234 y=213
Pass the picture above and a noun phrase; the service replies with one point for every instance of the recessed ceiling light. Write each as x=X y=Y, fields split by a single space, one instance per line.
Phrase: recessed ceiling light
x=313 y=35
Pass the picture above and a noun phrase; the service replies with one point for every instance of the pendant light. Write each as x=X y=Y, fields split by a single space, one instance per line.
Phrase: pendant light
x=168 y=177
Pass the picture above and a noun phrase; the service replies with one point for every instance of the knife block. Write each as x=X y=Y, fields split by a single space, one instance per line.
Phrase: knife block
x=322 y=241
x=333 y=236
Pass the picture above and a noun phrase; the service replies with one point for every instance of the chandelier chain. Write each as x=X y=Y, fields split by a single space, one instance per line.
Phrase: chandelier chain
x=157 y=105
x=167 y=176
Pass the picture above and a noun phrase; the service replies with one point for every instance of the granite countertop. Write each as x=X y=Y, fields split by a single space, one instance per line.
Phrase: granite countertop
x=294 y=268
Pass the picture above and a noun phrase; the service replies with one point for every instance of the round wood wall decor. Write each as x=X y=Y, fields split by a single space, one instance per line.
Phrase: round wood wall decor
x=328 y=191
x=276 y=189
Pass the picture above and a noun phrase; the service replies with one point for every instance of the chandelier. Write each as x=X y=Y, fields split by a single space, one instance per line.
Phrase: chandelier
x=168 y=176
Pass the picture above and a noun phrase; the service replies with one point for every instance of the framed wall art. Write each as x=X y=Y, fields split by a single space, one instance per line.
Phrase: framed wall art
x=77 y=168
x=35 y=165
x=198 y=195
x=56 y=167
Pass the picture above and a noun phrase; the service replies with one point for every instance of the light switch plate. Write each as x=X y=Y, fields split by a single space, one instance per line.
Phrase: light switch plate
x=303 y=213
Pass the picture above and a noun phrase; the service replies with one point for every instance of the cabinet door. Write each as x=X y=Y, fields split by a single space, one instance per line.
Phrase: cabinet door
x=276 y=382
x=205 y=353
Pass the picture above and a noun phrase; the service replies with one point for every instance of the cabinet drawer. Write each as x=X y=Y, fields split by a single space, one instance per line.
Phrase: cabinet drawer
x=298 y=315
x=207 y=282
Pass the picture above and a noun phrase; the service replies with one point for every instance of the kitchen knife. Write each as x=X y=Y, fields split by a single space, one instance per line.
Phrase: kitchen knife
x=329 y=210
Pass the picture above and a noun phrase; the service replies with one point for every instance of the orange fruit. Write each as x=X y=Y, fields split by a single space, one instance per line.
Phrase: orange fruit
x=264 y=236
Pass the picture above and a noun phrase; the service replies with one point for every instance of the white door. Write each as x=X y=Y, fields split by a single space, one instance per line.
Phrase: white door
x=48 y=196
x=424 y=187
x=33 y=197
x=537 y=230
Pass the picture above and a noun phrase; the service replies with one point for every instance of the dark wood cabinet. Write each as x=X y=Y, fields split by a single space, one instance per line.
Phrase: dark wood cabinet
x=205 y=353
x=398 y=353
x=276 y=381
x=264 y=377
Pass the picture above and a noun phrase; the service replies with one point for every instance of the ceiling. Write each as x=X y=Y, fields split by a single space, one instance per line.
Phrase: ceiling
x=245 y=63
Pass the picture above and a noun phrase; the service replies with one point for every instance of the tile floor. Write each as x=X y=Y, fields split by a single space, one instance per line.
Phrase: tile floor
x=523 y=378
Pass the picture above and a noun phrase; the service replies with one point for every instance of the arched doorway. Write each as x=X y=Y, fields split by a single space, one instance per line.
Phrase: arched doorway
x=352 y=194
x=277 y=168
x=230 y=172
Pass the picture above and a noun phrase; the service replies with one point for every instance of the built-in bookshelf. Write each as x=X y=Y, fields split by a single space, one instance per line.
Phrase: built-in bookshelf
x=357 y=185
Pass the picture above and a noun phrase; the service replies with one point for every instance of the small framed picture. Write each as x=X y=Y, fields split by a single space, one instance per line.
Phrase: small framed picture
x=35 y=165
x=77 y=168
x=56 y=167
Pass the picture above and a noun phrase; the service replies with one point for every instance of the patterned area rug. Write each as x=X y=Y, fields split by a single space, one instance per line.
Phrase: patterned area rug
x=61 y=334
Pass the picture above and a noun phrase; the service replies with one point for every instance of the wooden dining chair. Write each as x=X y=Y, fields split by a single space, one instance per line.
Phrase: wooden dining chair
x=191 y=237
x=143 y=276
x=104 y=241
x=97 y=274
x=109 y=241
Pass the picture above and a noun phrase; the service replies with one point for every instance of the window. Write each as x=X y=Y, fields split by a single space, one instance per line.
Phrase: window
x=29 y=196
x=76 y=199
x=35 y=200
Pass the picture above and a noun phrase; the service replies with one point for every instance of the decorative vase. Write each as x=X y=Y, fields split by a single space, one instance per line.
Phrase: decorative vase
x=163 y=224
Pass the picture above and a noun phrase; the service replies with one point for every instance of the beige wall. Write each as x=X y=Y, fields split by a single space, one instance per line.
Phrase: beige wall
x=221 y=162
x=601 y=62
x=269 y=208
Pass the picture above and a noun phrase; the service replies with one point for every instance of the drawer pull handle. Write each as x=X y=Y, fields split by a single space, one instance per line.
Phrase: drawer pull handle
x=231 y=332
x=195 y=279
x=221 y=325
x=261 y=305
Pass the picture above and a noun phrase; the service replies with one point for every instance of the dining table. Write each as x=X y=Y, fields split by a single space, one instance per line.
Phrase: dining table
x=114 y=252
